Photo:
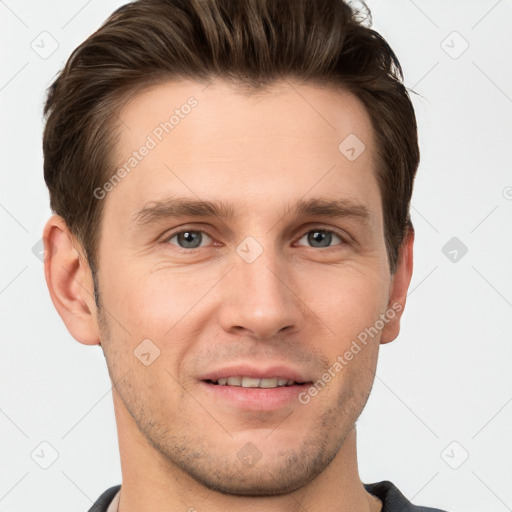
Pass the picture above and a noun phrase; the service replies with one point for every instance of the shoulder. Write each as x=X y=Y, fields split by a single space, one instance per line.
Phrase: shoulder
x=393 y=500
x=102 y=503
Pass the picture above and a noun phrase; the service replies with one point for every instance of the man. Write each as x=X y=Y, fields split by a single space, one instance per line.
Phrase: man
x=231 y=185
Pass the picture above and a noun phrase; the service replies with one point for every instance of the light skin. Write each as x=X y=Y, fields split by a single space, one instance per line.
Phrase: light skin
x=299 y=304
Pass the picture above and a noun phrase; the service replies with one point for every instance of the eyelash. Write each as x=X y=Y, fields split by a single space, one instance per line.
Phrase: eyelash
x=167 y=239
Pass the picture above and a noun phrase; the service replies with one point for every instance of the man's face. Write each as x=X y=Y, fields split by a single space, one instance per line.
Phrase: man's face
x=256 y=289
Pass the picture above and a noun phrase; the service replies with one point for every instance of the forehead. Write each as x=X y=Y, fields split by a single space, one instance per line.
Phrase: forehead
x=218 y=143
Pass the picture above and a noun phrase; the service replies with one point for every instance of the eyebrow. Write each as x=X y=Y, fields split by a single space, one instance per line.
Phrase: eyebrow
x=332 y=208
x=177 y=207
x=181 y=207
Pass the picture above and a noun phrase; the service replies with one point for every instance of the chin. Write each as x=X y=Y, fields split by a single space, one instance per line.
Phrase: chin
x=282 y=477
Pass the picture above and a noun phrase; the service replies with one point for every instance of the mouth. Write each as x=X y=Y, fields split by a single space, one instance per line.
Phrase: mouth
x=252 y=382
x=245 y=387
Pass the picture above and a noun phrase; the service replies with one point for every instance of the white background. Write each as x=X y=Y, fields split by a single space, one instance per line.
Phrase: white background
x=443 y=389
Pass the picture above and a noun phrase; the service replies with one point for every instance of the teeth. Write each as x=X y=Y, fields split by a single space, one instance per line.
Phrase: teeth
x=268 y=383
x=250 y=382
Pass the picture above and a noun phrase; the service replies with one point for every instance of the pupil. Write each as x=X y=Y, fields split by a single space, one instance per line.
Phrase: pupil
x=322 y=237
x=189 y=239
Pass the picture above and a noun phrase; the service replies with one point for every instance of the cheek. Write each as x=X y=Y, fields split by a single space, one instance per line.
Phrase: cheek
x=166 y=307
x=348 y=300
x=345 y=298
x=143 y=298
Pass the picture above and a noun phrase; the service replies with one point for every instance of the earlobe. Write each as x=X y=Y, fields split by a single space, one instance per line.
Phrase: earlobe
x=399 y=288
x=69 y=282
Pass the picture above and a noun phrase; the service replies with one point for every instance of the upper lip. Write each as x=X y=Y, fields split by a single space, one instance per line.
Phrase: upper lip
x=245 y=370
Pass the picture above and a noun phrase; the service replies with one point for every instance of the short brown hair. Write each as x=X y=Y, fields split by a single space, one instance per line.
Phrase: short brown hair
x=252 y=43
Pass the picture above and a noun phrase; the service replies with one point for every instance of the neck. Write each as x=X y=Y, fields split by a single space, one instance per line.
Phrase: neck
x=151 y=482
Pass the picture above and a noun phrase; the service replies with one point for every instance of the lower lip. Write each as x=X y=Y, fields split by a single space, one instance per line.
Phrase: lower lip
x=255 y=399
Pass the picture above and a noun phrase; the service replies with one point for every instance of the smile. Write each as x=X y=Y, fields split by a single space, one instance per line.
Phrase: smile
x=251 y=382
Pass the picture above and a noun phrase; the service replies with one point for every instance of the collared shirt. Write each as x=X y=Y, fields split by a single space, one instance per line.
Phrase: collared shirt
x=392 y=499
x=114 y=503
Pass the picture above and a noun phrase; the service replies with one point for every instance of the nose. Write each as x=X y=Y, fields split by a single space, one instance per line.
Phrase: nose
x=260 y=299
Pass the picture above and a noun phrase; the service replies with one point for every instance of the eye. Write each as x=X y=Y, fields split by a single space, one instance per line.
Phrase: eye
x=188 y=239
x=319 y=238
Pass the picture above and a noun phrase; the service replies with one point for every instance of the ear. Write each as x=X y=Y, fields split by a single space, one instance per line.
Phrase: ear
x=399 y=287
x=69 y=280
